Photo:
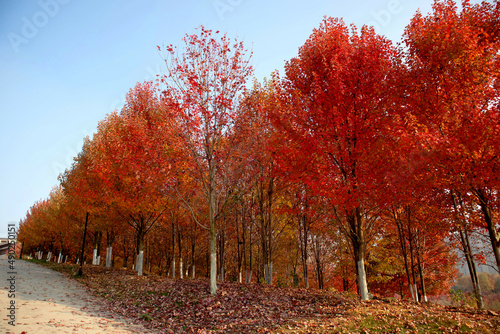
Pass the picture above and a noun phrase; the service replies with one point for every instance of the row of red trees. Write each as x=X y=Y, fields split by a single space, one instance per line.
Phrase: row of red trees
x=365 y=164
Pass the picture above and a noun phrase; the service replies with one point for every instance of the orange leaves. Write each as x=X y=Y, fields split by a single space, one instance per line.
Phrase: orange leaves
x=336 y=88
x=206 y=81
x=452 y=67
x=123 y=169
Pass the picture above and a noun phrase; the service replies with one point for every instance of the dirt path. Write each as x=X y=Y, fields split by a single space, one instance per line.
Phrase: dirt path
x=49 y=302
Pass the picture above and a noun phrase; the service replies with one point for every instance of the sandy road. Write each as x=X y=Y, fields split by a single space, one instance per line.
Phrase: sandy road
x=49 y=302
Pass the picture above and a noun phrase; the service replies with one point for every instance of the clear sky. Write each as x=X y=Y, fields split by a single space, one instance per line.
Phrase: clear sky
x=65 y=64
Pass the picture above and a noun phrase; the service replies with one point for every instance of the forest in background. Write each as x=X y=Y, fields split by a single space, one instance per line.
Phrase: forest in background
x=362 y=168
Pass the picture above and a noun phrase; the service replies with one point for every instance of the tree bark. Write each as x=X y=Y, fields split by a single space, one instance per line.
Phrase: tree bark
x=303 y=239
x=318 y=254
x=173 y=250
x=490 y=224
x=420 y=263
x=404 y=249
x=358 y=240
x=179 y=244
x=467 y=249
x=412 y=261
x=140 y=252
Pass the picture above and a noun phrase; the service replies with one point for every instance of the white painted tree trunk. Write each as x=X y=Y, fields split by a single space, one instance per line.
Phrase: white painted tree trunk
x=240 y=277
x=109 y=256
x=94 y=257
x=77 y=261
x=268 y=273
x=249 y=276
x=213 y=273
x=59 y=259
x=140 y=258
x=412 y=293
x=49 y=256
x=98 y=260
x=66 y=259
x=363 y=286
x=181 y=273
x=193 y=272
x=173 y=268
x=416 y=292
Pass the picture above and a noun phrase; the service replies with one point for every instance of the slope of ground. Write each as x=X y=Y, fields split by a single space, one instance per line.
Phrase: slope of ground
x=176 y=306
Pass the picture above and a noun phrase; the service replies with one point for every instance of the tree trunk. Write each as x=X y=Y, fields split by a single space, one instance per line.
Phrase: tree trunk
x=404 y=249
x=318 y=254
x=420 y=262
x=358 y=239
x=243 y=226
x=270 y=192
x=467 y=249
x=213 y=230
x=213 y=259
x=110 y=236
x=412 y=262
x=109 y=256
x=303 y=239
x=490 y=224
x=193 y=248
x=221 y=250
x=472 y=269
x=126 y=252
x=173 y=250
x=98 y=247
x=179 y=244
x=250 y=254
x=140 y=247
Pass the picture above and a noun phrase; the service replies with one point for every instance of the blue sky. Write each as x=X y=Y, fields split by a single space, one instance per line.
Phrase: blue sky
x=65 y=64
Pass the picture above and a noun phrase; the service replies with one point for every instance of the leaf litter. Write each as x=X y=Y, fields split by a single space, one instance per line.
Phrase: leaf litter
x=186 y=306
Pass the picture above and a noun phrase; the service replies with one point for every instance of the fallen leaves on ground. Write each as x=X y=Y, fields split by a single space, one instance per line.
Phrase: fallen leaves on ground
x=185 y=306
x=174 y=305
x=403 y=316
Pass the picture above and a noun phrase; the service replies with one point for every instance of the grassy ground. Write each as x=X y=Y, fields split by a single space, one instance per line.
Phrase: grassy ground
x=176 y=306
